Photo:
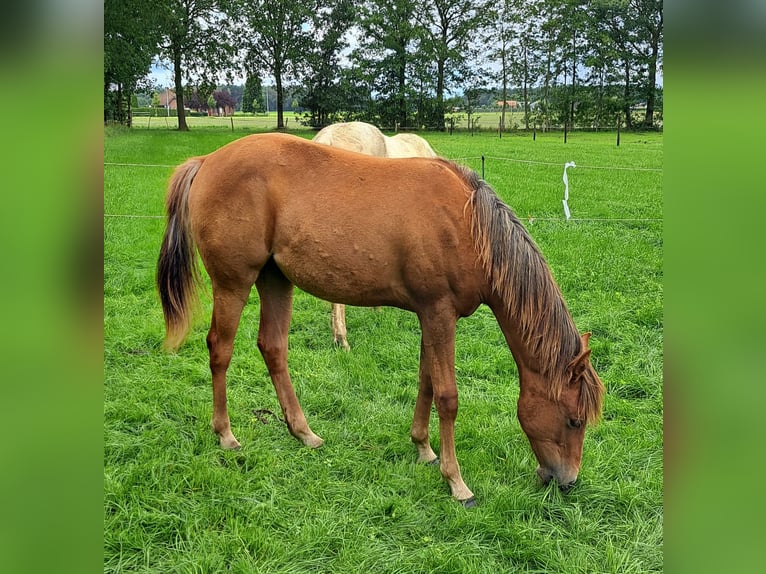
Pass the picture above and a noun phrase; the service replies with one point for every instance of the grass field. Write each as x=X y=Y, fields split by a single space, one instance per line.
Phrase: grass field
x=486 y=120
x=175 y=502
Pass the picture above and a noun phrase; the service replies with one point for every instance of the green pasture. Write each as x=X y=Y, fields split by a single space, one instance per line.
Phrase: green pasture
x=487 y=120
x=175 y=502
x=240 y=121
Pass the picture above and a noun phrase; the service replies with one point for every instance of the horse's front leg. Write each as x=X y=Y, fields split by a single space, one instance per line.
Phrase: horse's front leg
x=438 y=365
x=276 y=294
x=420 y=419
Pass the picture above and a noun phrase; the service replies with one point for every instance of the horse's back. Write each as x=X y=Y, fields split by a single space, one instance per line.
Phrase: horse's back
x=274 y=158
x=408 y=145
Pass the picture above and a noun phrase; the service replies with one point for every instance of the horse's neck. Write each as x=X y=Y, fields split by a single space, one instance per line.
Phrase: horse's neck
x=521 y=354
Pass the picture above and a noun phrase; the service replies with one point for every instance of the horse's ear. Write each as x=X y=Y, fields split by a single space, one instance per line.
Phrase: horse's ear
x=580 y=362
x=585 y=338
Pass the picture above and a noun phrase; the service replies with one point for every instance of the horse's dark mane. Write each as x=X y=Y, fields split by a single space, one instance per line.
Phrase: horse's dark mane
x=520 y=276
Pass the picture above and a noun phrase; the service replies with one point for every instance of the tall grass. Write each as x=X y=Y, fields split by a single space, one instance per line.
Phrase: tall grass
x=175 y=502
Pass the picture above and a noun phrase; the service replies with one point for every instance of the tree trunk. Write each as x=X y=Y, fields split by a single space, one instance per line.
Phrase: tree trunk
x=280 y=105
x=280 y=101
x=130 y=109
x=526 y=83
x=182 y=127
x=440 y=95
x=574 y=83
x=546 y=90
x=120 y=115
x=505 y=89
x=600 y=100
x=107 y=103
x=626 y=96
x=401 y=104
x=652 y=81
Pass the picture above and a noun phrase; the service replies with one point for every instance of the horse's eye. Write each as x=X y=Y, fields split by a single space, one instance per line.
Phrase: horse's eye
x=574 y=423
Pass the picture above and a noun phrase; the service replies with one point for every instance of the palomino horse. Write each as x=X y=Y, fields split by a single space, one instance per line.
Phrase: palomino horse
x=420 y=234
x=367 y=139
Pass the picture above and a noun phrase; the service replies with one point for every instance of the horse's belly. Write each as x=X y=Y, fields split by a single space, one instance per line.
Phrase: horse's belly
x=386 y=272
x=368 y=281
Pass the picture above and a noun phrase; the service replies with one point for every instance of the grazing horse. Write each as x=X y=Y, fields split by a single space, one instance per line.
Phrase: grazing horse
x=367 y=139
x=420 y=234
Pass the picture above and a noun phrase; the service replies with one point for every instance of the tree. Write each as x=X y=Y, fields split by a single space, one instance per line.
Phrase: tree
x=649 y=23
x=275 y=38
x=236 y=91
x=324 y=92
x=501 y=33
x=634 y=28
x=447 y=26
x=196 y=98
x=386 y=53
x=224 y=101
x=195 y=40
x=604 y=58
x=514 y=30
x=525 y=49
x=130 y=41
x=566 y=25
x=252 y=97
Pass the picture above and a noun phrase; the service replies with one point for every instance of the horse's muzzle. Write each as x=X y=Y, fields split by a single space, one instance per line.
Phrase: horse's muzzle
x=546 y=476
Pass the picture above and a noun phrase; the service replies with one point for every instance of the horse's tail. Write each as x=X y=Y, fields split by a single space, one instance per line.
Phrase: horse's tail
x=177 y=272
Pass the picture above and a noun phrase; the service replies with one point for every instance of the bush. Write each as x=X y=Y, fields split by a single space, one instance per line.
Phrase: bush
x=155 y=112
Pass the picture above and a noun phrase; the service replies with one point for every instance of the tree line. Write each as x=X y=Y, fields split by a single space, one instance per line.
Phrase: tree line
x=397 y=62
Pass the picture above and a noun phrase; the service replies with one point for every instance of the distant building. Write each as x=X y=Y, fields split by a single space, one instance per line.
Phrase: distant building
x=168 y=99
x=510 y=104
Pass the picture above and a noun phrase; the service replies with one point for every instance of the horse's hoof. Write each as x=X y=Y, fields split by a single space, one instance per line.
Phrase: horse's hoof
x=342 y=344
x=469 y=502
x=434 y=462
x=229 y=443
x=312 y=441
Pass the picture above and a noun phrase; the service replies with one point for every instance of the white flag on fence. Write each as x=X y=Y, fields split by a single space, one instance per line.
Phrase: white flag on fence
x=566 y=188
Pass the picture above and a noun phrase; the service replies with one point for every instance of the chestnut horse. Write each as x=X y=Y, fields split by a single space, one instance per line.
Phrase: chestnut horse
x=367 y=139
x=420 y=234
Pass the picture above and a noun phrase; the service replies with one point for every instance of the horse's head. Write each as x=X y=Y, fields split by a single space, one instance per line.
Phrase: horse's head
x=554 y=417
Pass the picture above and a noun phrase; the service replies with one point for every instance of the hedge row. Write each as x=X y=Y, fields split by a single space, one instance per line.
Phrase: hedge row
x=163 y=112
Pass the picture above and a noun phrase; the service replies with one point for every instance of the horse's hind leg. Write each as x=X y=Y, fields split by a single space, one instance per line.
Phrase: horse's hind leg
x=227 y=309
x=276 y=294
x=339 y=326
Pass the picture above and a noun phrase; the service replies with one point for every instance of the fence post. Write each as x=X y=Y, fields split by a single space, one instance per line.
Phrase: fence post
x=482 y=167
